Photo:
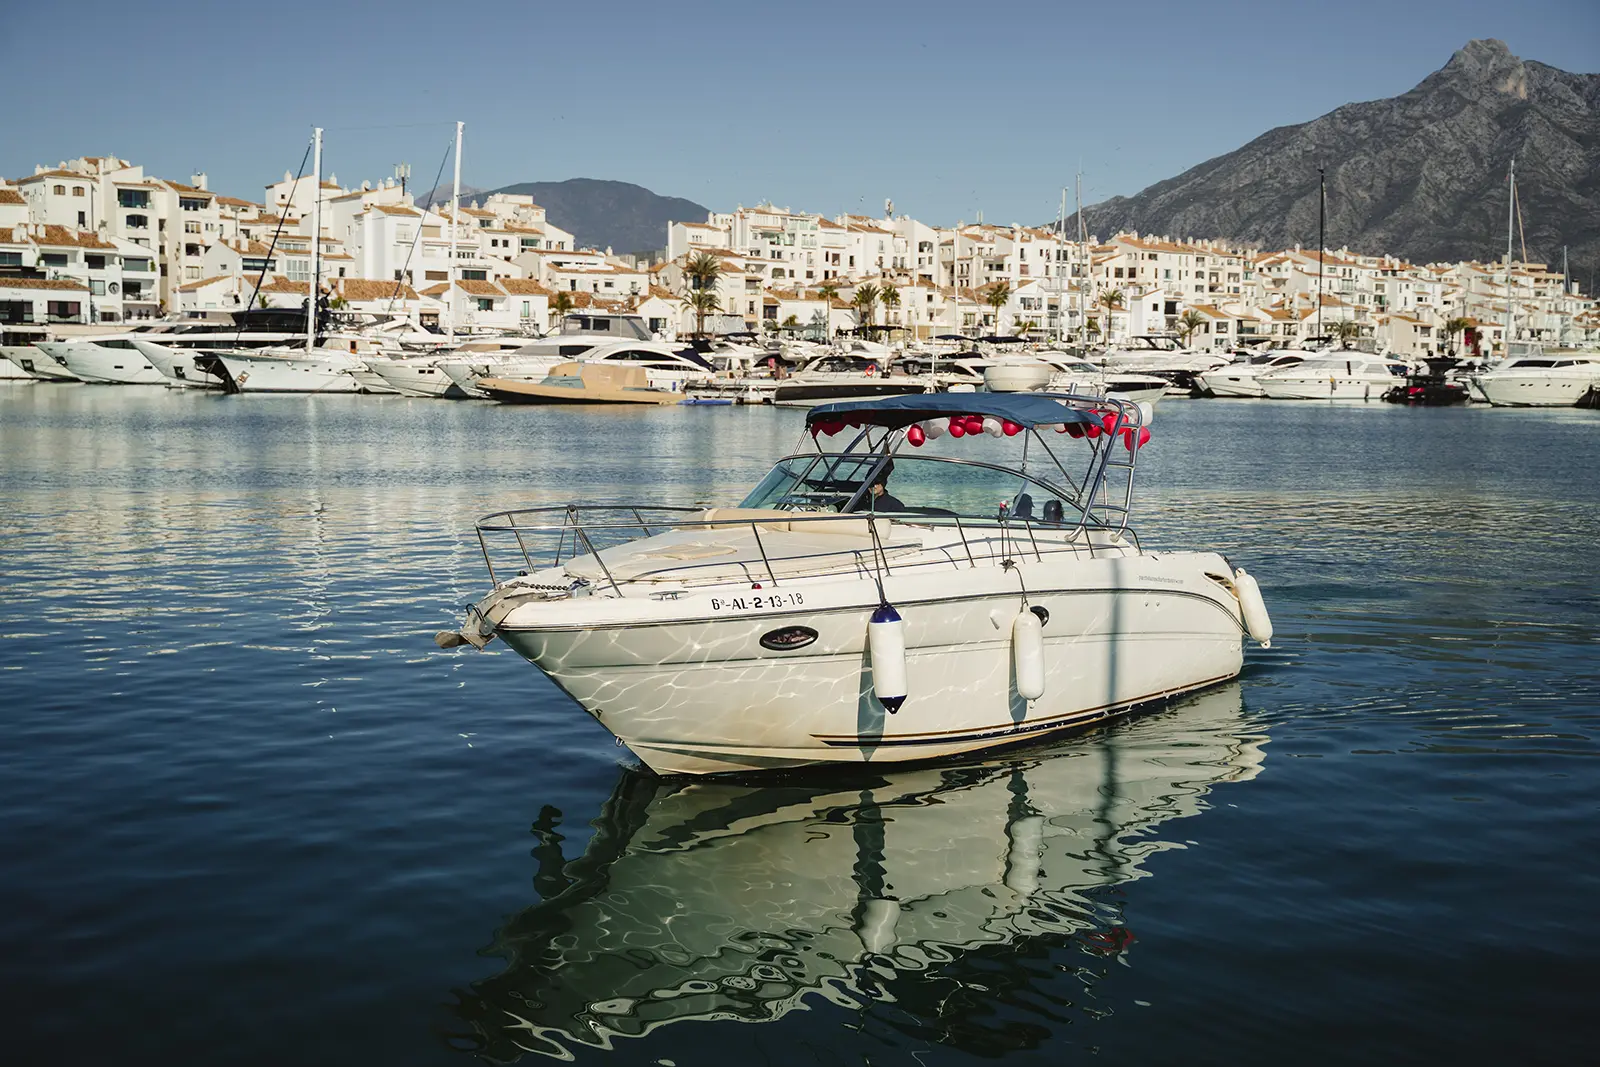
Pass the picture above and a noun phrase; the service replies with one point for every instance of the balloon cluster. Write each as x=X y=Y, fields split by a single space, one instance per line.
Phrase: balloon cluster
x=919 y=433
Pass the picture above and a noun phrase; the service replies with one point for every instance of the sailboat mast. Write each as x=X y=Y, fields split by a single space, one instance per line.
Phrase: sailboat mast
x=1511 y=222
x=316 y=238
x=1566 y=288
x=1322 y=222
x=455 y=216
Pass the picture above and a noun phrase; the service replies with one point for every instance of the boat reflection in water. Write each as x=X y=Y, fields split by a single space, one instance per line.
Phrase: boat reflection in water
x=713 y=900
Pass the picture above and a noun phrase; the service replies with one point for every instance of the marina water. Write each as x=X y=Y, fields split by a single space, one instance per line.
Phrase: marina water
x=251 y=815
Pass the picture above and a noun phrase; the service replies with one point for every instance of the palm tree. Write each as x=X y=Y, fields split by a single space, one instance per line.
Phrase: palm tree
x=1190 y=321
x=865 y=299
x=1021 y=329
x=889 y=297
x=560 y=306
x=703 y=269
x=997 y=298
x=1111 y=300
x=792 y=323
x=1454 y=326
x=703 y=301
x=827 y=291
x=1346 y=331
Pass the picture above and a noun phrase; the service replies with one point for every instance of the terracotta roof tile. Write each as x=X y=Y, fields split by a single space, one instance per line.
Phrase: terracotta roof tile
x=64 y=284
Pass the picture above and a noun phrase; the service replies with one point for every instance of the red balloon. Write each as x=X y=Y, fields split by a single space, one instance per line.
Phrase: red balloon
x=1092 y=430
x=1110 y=421
x=1010 y=428
x=974 y=425
x=1144 y=437
x=916 y=436
x=958 y=428
x=1075 y=429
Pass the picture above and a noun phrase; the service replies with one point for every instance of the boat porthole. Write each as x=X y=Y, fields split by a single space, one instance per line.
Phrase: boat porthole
x=1044 y=616
x=788 y=638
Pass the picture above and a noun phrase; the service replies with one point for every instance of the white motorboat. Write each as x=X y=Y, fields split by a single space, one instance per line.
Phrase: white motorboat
x=11 y=369
x=1550 y=379
x=38 y=364
x=321 y=370
x=1239 y=378
x=414 y=376
x=1162 y=356
x=837 y=376
x=108 y=360
x=716 y=900
x=825 y=620
x=1336 y=375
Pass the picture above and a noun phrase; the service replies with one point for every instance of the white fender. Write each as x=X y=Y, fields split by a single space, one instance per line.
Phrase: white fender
x=886 y=645
x=934 y=429
x=992 y=427
x=1256 y=621
x=1023 y=857
x=1027 y=653
x=1147 y=412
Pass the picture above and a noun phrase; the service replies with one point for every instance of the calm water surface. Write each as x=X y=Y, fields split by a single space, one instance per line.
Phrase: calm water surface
x=250 y=815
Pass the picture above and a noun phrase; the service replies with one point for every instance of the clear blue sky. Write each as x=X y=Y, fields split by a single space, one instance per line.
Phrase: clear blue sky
x=946 y=108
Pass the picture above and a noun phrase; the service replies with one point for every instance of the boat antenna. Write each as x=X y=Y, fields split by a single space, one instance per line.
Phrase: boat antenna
x=1322 y=221
x=266 y=260
x=316 y=238
x=455 y=221
x=1511 y=221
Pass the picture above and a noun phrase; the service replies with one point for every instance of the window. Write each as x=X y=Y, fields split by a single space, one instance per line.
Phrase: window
x=485 y=304
x=475 y=275
x=60 y=190
x=191 y=227
x=97 y=287
x=64 y=309
x=77 y=190
x=135 y=265
x=191 y=274
x=138 y=222
x=54 y=259
x=133 y=198
x=191 y=203
x=432 y=275
x=95 y=262
x=10 y=259
x=81 y=221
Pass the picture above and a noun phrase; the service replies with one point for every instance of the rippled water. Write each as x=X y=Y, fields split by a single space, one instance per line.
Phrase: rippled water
x=251 y=815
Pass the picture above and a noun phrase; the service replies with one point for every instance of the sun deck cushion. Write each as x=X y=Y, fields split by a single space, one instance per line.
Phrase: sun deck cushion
x=733 y=553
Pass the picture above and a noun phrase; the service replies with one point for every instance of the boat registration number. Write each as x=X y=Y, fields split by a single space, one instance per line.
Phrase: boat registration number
x=765 y=602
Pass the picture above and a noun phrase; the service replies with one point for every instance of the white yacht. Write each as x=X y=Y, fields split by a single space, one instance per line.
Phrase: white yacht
x=415 y=376
x=1164 y=357
x=845 y=376
x=1078 y=375
x=701 y=901
x=321 y=370
x=1335 y=375
x=110 y=359
x=1239 y=378
x=874 y=603
x=1551 y=379
x=30 y=362
x=11 y=369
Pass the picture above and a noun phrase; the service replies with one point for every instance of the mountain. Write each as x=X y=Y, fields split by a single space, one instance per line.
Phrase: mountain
x=606 y=214
x=1420 y=175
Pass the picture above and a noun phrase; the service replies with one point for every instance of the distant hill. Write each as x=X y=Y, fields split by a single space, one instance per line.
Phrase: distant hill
x=605 y=214
x=1420 y=175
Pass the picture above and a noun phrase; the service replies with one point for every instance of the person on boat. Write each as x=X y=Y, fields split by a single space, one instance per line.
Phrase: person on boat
x=878 y=496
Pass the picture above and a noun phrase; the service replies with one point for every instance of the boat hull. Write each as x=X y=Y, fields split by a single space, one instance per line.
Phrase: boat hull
x=272 y=374
x=687 y=684
x=1533 y=391
x=416 y=379
x=796 y=393
x=177 y=366
x=38 y=364
x=1235 y=384
x=99 y=365
x=1325 y=389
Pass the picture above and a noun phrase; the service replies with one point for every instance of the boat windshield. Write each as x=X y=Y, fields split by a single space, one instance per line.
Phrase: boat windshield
x=915 y=486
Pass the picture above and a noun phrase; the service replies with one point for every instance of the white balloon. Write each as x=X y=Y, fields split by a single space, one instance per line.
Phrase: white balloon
x=992 y=427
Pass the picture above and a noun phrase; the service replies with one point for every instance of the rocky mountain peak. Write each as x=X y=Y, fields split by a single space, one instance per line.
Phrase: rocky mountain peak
x=1420 y=175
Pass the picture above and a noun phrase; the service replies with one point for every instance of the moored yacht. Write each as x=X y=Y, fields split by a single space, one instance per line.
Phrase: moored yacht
x=37 y=364
x=1164 y=357
x=1335 y=375
x=1238 y=379
x=107 y=360
x=840 y=376
x=1553 y=378
x=959 y=575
